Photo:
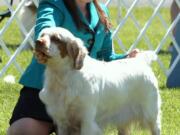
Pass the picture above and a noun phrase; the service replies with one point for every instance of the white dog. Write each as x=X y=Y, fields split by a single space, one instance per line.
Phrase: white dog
x=27 y=16
x=85 y=94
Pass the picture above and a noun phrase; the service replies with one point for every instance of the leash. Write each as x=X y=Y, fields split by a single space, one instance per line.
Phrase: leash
x=6 y=13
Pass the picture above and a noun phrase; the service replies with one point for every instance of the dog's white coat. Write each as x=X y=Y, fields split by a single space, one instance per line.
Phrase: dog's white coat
x=27 y=16
x=100 y=93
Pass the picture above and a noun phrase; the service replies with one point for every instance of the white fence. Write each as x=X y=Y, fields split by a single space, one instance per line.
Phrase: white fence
x=121 y=21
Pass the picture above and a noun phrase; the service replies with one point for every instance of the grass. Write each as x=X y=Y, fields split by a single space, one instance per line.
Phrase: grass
x=170 y=97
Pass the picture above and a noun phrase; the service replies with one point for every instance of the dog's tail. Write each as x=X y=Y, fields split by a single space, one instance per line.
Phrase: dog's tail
x=147 y=56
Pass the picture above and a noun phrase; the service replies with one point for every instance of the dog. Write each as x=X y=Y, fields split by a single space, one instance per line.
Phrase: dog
x=27 y=16
x=84 y=95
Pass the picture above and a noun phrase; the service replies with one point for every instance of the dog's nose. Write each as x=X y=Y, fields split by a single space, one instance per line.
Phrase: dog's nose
x=40 y=45
x=40 y=42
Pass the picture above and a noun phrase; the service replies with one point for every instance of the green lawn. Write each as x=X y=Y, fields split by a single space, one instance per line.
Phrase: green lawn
x=170 y=97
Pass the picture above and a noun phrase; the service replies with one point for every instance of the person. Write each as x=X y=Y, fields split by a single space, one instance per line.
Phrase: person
x=86 y=19
x=174 y=10
x=173 y=79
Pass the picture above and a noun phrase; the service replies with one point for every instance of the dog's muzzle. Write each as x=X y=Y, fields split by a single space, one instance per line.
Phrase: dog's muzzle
x=40 y=47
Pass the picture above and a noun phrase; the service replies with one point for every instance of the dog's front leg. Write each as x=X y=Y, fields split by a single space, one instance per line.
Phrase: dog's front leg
x=89 y=125
x=43 y=95
x=61 y=130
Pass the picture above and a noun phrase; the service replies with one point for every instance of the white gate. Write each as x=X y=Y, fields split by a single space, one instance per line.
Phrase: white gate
x=121 y=20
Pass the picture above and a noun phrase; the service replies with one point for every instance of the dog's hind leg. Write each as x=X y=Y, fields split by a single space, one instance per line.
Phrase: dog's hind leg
x=123 y=131
x=155 y=127
x=151 y=116
x=155 y=130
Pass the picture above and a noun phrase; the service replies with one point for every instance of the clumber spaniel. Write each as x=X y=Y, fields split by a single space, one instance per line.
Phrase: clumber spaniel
x=27 y=16
x=84 y=95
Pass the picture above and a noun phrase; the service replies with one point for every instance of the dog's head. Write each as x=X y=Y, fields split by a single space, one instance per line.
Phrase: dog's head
x=60 y=43
x=31 y=5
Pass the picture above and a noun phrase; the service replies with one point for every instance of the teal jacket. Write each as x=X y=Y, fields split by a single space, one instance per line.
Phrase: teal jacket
x=53 y=13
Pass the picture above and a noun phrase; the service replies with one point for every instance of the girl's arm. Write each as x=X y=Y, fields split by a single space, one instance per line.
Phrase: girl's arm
x=48 y=15
x=107 y=53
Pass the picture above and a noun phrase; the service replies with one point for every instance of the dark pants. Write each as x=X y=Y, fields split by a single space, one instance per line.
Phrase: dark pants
x=29 y=105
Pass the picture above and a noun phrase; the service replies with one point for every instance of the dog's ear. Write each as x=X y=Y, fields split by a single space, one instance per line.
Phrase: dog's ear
x=74 y=48
x=61 y=44
x=77 y=52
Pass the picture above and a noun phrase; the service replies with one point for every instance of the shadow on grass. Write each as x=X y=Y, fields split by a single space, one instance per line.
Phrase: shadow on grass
x=15 y=46
x=12 y=46
x=164 y=52
x=163 y=87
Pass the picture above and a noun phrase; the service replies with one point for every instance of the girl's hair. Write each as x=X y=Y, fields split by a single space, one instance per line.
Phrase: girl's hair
x=72 y=8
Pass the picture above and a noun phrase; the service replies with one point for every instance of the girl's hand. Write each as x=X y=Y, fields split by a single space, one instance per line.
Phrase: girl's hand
x=133 y=53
